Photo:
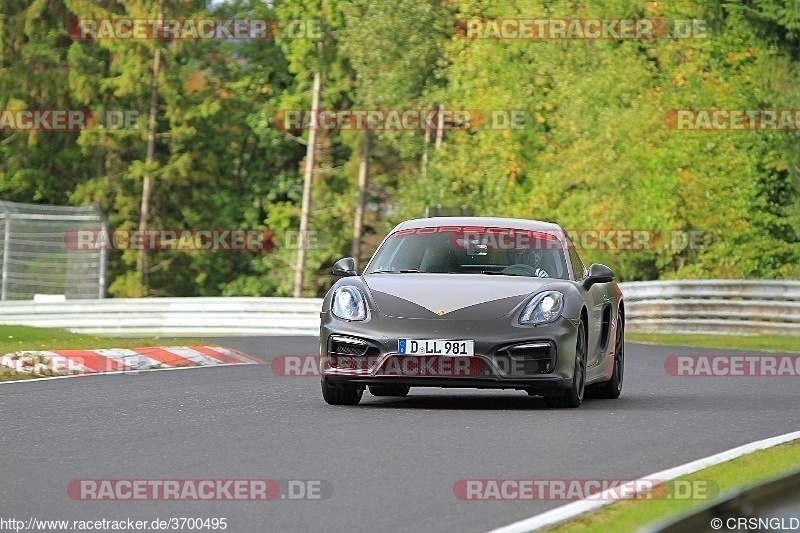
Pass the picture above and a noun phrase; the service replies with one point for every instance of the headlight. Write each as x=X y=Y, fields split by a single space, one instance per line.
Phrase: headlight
x=348 y=304
x=543 y=308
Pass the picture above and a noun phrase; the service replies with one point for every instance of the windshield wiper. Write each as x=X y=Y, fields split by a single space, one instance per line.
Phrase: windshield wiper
x=495 y=273
x=401 y=271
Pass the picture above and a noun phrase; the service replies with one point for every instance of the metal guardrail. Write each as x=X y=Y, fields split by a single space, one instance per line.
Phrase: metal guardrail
x=742 y=307
x=702 y=306
x=181 y=317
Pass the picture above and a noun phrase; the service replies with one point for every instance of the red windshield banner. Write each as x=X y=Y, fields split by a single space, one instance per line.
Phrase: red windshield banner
x=482 y=239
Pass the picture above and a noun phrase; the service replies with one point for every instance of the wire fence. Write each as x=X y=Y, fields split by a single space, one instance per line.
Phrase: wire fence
x=35 y=258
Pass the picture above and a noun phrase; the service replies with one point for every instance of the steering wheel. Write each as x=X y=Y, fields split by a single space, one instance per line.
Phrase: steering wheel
x=521 y=269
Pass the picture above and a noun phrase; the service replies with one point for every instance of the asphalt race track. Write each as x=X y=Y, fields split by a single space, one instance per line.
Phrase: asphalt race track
x=392 y=463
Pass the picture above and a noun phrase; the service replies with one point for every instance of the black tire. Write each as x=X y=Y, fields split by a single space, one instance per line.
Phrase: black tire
x=611 y=389
x=389 y=390
x=574 y=396
x=341 y=395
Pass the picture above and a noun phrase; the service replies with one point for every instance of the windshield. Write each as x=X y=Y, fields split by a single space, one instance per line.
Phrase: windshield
x=473 y=250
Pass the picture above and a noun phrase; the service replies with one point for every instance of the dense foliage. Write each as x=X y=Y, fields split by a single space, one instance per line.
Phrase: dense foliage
x=594 y=152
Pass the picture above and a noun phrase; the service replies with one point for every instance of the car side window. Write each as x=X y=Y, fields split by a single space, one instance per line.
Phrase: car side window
x=578 y=268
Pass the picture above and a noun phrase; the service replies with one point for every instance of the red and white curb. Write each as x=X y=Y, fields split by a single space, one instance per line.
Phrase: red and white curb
x=49 y=364
x=573 y=510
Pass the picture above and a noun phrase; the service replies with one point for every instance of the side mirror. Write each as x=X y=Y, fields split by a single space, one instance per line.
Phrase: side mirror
x=598 y=274
x=344 y=267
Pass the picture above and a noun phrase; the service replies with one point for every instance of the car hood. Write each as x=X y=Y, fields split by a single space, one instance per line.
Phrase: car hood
x=449 y=296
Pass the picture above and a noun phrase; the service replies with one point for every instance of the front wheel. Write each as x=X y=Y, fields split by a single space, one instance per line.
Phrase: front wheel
x=341 y=395
x=574 y=396
x=612 y=388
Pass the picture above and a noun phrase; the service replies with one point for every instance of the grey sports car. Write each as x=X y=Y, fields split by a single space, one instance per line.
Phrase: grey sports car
x=473 y=302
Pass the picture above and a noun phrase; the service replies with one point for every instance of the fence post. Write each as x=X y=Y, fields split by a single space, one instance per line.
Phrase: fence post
x=6 y=239
x=103 y=258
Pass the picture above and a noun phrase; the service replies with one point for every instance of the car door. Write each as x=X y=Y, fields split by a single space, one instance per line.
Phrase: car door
x=599 y=305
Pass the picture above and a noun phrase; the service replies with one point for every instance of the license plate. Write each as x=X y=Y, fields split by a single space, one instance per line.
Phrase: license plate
x=435 y=347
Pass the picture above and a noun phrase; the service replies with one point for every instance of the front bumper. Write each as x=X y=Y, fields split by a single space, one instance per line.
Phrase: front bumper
x=539 y=359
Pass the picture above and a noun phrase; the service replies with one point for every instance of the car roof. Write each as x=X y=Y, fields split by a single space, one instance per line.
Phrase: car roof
x=489 y=222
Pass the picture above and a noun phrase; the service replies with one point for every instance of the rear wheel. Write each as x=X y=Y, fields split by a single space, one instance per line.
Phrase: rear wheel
x=612 y=388
x=574 y=396
x=389 y=390
x=341 y=395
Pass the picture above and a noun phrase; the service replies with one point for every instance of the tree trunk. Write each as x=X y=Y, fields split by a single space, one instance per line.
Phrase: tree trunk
x=147 y=185
x=426 y=142
x=440 y=126
x=362 y=195
x=305 y=209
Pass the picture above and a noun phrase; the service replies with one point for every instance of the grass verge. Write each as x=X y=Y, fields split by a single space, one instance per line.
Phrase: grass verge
x=23 y=338
x=745 y=471
x=777 y=343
